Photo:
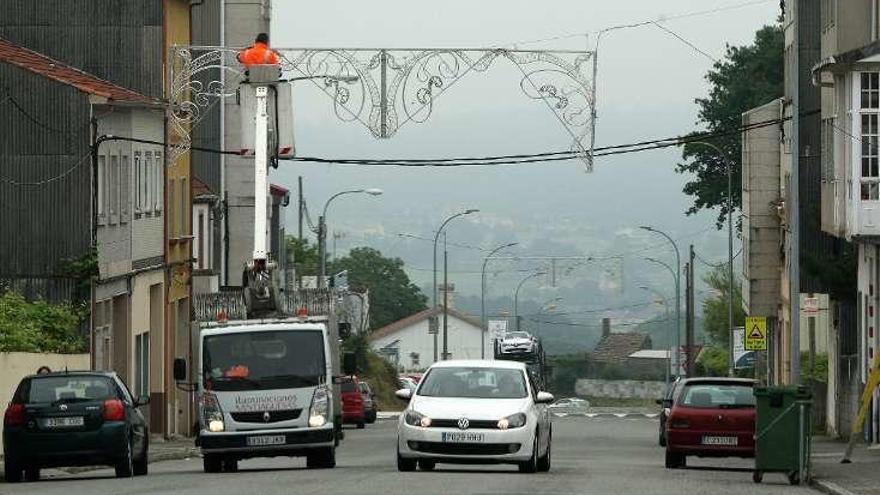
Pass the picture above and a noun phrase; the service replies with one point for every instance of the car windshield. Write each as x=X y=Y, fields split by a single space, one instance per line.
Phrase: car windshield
x=474 y=383
x=517 y=335
x=68 y=389
x=264 y=360
x=718 y=395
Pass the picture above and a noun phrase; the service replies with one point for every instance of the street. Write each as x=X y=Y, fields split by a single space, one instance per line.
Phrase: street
x=603 y=455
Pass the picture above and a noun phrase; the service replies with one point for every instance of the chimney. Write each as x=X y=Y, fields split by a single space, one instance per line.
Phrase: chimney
x=606 y=327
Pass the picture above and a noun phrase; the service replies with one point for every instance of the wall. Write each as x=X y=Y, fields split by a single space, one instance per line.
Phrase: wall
x=619 y=389
x=463 y=342
x=17 y=365
x=761 y=226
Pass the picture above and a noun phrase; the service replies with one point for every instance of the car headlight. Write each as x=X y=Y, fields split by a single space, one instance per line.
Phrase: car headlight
x=320 y=407
x=414 y=418
x=517 y=420
x=212 y=415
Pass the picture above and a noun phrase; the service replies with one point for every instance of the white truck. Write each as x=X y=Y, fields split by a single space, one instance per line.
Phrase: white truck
x=266 y=373
x=266 y=388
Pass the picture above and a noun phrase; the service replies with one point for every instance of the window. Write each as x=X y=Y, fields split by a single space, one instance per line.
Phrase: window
x=718 y=395
x=69 y=388
x=149 y=183
x=113 y=188
x=138 y=183
x=869 y=131
x=102 y=185
x=158 y=177
x=474 y=383
x=182 y=209
x=125 y=182
x=142 y=364
x=202 y=242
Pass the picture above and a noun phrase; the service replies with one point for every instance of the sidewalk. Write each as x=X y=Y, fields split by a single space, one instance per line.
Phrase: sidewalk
x=160 y=450
x=861 y=477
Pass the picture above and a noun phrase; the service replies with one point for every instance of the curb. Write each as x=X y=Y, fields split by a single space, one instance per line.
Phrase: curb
x=829 y=487
x=169 y=455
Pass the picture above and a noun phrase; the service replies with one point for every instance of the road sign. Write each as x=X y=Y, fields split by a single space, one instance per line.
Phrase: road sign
x=756 y=333
x=811 y=306
x=742 y=359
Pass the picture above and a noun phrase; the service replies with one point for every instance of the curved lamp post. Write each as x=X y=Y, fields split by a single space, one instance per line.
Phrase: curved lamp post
x=322 y=229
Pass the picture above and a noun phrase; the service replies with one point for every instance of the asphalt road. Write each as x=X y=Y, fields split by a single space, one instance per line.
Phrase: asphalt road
x=590 y=456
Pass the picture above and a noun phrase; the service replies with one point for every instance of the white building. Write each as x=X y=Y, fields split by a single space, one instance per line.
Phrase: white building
x=408 y=344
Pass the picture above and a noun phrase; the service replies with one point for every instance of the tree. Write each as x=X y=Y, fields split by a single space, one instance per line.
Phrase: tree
x=305 y=255
x=39 y=326
x=747 y=77
x=392 y=295
x=715 y=311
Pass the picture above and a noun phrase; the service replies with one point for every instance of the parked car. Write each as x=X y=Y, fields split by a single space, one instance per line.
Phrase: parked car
x=711 y=417
x=517 y=343
x=81 y=418
x=407 y=382
x=569 y=405
x=666 y=406
x=352 y=402
x=370 y=407
x=475 y=412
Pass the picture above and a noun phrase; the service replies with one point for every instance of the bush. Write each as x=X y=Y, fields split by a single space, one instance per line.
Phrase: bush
x=39 y=326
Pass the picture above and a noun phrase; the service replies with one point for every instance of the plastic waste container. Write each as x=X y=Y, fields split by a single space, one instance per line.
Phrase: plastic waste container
x=783 y=432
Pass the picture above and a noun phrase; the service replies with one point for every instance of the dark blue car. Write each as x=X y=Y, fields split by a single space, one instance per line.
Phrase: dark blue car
x=81 y=418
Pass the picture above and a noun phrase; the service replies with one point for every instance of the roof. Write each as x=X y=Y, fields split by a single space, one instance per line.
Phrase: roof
x=616 y=347
x=479 y=363
x=418 y=317
x=651 y=354
x=201 y=190
x=50 y=68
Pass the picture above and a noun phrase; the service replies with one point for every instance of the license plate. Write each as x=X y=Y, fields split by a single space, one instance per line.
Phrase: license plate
x=462 y=437
x=720 y=441
x=266 y=440
x=64 y=422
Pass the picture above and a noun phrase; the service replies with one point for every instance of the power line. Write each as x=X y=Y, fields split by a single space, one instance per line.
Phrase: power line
x=50 y=180
x=686 y=42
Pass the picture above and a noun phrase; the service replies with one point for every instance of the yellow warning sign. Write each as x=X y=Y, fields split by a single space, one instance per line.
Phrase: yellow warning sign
x=756 y=333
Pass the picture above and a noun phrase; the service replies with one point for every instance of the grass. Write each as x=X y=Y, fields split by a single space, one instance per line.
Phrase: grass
x=383 y=380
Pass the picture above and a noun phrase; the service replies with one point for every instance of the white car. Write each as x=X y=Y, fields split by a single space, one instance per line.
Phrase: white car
x=517 y=343
x=570 y=404
x=475 y=412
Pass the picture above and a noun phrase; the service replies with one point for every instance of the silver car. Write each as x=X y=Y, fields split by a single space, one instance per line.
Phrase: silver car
x=475 y=412
x=517 y=343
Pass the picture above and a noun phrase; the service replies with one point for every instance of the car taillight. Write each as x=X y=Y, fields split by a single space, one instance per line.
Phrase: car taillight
x=14 y=415
x=114 y=410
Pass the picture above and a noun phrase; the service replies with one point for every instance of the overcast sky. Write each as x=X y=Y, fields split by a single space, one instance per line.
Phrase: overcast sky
x=647 y=81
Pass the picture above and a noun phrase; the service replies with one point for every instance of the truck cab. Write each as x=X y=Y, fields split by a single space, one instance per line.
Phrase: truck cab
x=266 y=388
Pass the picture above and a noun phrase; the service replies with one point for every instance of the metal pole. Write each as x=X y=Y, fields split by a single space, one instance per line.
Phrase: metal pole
x=795 y=222
x=322 y=257
x=483 y=296
x=516 y=318
x=677 y=294
x=300 y=208
x=445 y=300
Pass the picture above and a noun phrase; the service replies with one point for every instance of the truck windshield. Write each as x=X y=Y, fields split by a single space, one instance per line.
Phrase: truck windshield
x=263 y=360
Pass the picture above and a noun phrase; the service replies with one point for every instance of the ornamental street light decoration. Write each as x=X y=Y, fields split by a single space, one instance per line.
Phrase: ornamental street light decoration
x=387 y=89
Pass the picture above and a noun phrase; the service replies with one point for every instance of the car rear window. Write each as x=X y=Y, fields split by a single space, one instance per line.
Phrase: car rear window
x=717 y=395
x=67 y=388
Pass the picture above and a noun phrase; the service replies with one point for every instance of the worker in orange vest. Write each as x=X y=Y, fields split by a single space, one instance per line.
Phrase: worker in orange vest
x=259 y=53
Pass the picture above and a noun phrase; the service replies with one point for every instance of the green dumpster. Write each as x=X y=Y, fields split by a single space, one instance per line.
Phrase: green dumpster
x=782 y=432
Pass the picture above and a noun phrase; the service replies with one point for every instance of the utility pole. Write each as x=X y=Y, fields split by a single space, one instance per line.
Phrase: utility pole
x=687 y=319
x=445 y=301
x=794 y=209
x=692 y=315
x=300 y=194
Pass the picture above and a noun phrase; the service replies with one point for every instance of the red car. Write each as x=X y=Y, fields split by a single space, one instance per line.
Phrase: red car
x=711 y=417
x=352 y=402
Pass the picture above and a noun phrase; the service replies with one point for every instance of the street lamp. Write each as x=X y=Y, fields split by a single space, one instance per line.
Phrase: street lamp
x=437 y=236
x=483 y=295
x=677 y=274
x=727 y=161
x=662 y=300
x=322 y=229
x=516 y=297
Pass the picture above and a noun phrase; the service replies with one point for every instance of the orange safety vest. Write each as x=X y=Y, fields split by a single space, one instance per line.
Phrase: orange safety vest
x=259 y=54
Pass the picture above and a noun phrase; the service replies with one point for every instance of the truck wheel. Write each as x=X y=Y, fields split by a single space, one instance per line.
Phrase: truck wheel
x=212 y=463
x=322 y=459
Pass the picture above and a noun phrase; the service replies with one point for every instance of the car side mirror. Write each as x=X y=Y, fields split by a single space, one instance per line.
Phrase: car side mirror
x=143 y=400
x=180 y=369
x=349 y=363
x=544 y=398
x=404 y=394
